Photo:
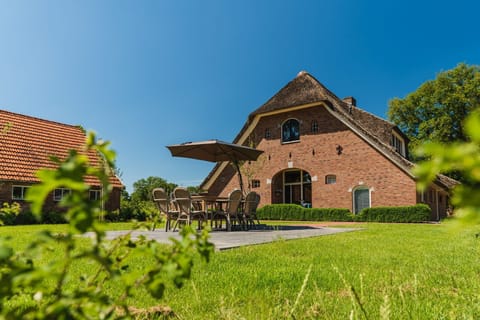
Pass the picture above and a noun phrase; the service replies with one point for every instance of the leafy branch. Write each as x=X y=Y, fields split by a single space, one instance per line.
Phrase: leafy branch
x=52 y=290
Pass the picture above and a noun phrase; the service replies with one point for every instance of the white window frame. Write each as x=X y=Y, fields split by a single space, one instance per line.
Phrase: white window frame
x=97 y=192
x=330 y=179
x=398 y=143
x=255 y=183
x=64 y=192
x=23 y=192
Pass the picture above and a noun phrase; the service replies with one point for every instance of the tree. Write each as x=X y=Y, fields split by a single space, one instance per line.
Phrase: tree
x=463 y=157
x=436 y=111
x=142 y=189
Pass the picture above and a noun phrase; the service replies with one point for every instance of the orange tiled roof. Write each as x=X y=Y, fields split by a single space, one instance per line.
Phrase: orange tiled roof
x=26 y=144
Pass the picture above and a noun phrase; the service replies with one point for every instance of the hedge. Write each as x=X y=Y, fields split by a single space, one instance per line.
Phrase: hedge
x=416 y=213
x=299 y=213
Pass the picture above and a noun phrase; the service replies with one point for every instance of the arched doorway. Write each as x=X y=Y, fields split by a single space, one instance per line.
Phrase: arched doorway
x=361 y=199
x=292 y=186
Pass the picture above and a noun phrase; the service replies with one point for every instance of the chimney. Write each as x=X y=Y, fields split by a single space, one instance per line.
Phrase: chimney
x=350 y=101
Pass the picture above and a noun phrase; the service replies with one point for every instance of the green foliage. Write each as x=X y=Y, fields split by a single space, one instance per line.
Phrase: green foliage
x=140 y=206
x=456 y=157
x=142 y=189
x=8 y=213
x=407 y=214
x=193 y=189
x=436 y=110
x=299 y=213
x=31 y=290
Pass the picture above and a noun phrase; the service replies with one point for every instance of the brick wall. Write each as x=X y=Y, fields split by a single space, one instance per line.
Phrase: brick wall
x=113 y=203
x=359 y=164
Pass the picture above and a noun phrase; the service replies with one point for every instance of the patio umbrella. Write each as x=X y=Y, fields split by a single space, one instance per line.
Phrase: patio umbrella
x=216 y=151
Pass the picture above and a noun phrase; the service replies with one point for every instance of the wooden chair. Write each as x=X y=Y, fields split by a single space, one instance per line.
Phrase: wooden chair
x=165 y=206
x=231 y=213
x=186 y=211
x=250 y=209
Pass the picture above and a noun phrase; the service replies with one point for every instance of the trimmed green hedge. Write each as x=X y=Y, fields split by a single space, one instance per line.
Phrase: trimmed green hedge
x=299 y=213
x=416 y=213
x=406 y=214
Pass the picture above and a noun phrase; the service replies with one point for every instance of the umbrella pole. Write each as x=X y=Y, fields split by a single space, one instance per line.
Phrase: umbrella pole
x=240 y=180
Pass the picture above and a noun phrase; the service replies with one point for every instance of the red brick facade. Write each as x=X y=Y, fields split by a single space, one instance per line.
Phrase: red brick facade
x=50 y=205
x=336 y=156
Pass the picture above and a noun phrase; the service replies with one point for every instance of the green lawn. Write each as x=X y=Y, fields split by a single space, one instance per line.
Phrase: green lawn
x=386 y=271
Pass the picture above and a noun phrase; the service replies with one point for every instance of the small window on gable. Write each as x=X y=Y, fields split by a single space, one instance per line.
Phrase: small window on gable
x=291 y=130
x=314 y=127
x=19 y=192
x=268 y=135
x=330 y=179
x=398 y=144
x=255 y=183
x=59 y=193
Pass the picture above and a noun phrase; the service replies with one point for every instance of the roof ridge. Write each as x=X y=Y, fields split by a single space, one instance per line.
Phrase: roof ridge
x=374 y=115
x=37 y=118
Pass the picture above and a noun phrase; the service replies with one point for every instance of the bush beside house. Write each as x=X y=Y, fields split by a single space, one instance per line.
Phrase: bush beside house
x=296 y=212
x=416 y=213
x=293 y=212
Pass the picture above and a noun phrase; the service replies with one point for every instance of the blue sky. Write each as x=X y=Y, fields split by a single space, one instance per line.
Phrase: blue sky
x=146 y=74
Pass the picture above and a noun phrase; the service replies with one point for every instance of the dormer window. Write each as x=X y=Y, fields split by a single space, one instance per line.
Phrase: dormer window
x=290 y=131
x=398 y=143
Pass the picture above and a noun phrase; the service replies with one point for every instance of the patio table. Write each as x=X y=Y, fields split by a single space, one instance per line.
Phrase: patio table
x=210 y=203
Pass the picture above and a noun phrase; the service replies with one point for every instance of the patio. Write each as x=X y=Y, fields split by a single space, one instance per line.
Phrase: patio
x=228 y=240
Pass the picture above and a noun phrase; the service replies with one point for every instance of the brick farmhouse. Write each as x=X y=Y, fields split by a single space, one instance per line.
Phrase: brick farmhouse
x=26 y=145
x=325 y=152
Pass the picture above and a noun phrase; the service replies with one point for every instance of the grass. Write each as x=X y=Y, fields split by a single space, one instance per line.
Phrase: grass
x=386 y=271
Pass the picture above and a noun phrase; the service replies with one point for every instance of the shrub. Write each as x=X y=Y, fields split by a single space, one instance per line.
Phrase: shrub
x=133 y=210
x=299 y=213
x=53 y=217
x=25 y=217
x=8 y=213
x=416 y=213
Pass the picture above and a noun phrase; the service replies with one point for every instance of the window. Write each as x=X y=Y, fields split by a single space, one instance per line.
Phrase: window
x=59 y=193
x=330 y=179
x=95 y=195
x=290 y=130
x=398 y=144
x=255 y=183
x=19 y=192
x=297 y=187
x=267 y=133
x=314 y=127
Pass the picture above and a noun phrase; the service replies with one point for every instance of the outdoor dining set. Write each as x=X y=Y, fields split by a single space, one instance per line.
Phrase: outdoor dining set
x=181 y=208
x=238 y=210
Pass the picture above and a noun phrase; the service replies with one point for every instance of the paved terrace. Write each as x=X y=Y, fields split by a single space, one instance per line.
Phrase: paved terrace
x=227 y=240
